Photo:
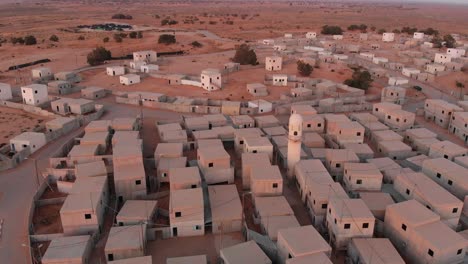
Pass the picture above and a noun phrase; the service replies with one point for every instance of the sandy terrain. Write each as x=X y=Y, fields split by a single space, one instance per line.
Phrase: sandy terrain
x=14 y=121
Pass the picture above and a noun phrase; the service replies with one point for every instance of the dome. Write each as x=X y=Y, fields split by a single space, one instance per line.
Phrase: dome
x=295 y=119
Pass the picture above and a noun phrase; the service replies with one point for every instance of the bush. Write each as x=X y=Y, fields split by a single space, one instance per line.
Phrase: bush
x=118 y=38
x=122 y=16
x=331 y=30
x=459 y=84
x=408 y=30
x=430 y=31
x=54 y=38
x=30 y=40
x=81 y=38
x=196 y=44
x=449 y=41
x=98 y=56
x=166 y=39
x=245 y=55
x=105 y=40
x=304 y=69
x=360 y=79
x=361 y=27
x=133 y=34
x=437 y=41
x=381 y=31
x=167 y=21
x=15 y=40
x=140 y=34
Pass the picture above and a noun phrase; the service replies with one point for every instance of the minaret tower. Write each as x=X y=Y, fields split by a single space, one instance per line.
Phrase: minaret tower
x=294 y=142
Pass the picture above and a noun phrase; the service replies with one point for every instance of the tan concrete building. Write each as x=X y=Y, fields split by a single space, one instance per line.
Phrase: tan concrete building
x=363 y=151
x=424 y=190
x=377 y=203
x=266 y=181
x=266 y=121
x=314 y=258
x=440 y=111
x=168 y=150
x=380 y=110
x=389 y=168
x=459 y=125
x=215 y=163
x=83 y=153
x=418 y=133
x=184 y=178
x=362 y=177
x=447 y=174
x=346 y=132
x=91 y=169
x=226 y=208
x=258 y=145
x=396 y=150
x=165 y=165
x=137 y=212
x=335 y=160
x=373 y=250
x=186 y=212
x=98 y=126
x=252 y=161
x=257 y=89
x=247 y=252
x=303 y=110
x=126 y=242
x=31 y=140
x=68 y=250
x=313 y=123
x=82 y=214
x=291 y=243
x=393 y=94
x=199 y=259
x=447 y=150
x=62 y=124
x=242 y=121
x=348 y=219
x=129 y=171
x=400 y=120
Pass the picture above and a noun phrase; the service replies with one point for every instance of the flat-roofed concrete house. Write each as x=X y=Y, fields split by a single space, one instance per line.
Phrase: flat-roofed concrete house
x=396 y=150
x=129 y=79
x=459 y=125
x=82 y=214
x=420 y=236
x=215 y=163
x=257 y=89
x=251 y=161
x=442 y=58
x=59 y=87
x=388 y=37
x=273 y=63
x=440 y=111
x=266 y=207
x=31 y=140
x=216 y=120
x=400 y=120
x=275 y=223
x=346 y=132
x=129 y=171
x=362 y=177
x=247 y=252
x=447 y=150
x=335 y=160
x=126 y=136
x=125 y=124
x=71 y=77
x=456 y=53
x=100 y=139
x=199 y=259
x=62 y=124
x=311 y=35
x=168 y=150
x=226 y=208
x=418 y=133
x=348 y=219
x=93 y=93
x=242 y=121
x=34 y=94
x=377 y=203
x=291 y=243
x=126 y=242
x=5 y=92
x=389 y=168
x=186 y=212
x=313 y=140
x=393 y=94
x=163 y=170
x=280 y=80
x=261 y=106
x=380 y=110
x=136 y=65
x=137 y=212
x=373 y=250
x=363 y=151
x=211 y=79
x=197 y=123
x=303 y=110
x=241 y=134
x=410 y=72
x=258 y=145
x=83 y=153
x=145 y=55
x=266 y=181
x=184 y=178
x=462 y=161
x=424 y=190
x=301 y=92
x=447 y=174
x=149 y=68
x=423 y=145
x=72 y=106
x=385 y=135
x=363 y=118
x=115 y=70
x=397 y=81
x=313 y=123
x=434 y=68
x=274 y=131
x=69 y=249
x=98 y=126
x=41 y=73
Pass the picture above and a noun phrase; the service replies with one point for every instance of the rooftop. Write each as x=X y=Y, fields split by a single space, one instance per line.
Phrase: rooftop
x=266 y=173
x=413 y=213
x=272 y=206
x=377 y=251
x=75 y=249
x=351 y=208
x=137 y=209
x=294 y=240
x=225 y=202
x=91 y=169
x=184 y=175
x=125 y=238
x=186 y=198
x=200 y=259
x=439 y=235
x=248 y=252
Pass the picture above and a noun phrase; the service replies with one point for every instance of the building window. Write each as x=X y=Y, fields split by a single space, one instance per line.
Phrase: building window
x=329 y=210
x=275 y=185
x=178 y=214
x=445 y=156
x=359 y=182
x=347 y=226
x=338 y=165
x=358 y=134
x=255 y=151
x=87 y=216
x=403 y=226
x=35 y=91
x=197 y=227
x=319 y=125
x=210 y=164
x=324 y=206
x=164 y=175
x=459 y=251
x=309 y=125
x=241 y=142
x=335 y=220
x=295 y=133
x=138 y=182
x=365 y=225
x=376 y=109
x=455 y=210
x=438 y=175
x=450 y=182
x=430 y=252
x=407 y=192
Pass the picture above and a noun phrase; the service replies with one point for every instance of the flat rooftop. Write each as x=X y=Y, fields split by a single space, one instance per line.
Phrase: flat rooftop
x=125 y=238
x=413 y=213
x=351 y=208
x=225 y=202
x=377 y=251
x=91 y=169
x=272 y=206
x=63 y=249
x=200 y=259
x=137 y=210
x=248 y=252
x=294 y=240
x=267 y=173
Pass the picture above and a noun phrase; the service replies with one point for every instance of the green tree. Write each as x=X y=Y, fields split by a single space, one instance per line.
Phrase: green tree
x=331 y=30
x=245 y=55
x=30 y=40
x=133 y=34
x=449 y=41
x=54 y=38
x=304 y=69
x=139 y=34
x=81 y=38
x=98 y=56
x=381 y=31
x=360 y=79
x=118 y=38
x=167 y=39
x=196 y=44
x=105 y=40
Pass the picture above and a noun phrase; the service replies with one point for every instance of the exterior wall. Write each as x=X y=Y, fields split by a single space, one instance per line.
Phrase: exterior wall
x=115 y=71
x=341 y=237
x=265 y=187
x=273 y=63
x=33 y=144
x=368 y=184
x=442 y=58
x=129 y=80
x=5 y=92
x=280 y=80
x=226 y=226
x=125 y=253
x=41 y=73
x=211 y=81
x=94 y=95
x=128 y=189
x=36 y=96
x=388 y=37
x=146 y=56
x=400 y=122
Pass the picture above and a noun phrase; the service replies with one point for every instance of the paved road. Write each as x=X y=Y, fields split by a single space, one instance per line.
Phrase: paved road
x=18 y=185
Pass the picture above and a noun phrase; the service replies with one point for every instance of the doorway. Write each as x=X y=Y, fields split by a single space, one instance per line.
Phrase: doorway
x=174 y=231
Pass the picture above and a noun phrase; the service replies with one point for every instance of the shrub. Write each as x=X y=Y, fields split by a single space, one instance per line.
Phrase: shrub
x=54 y=38
x=449 y=41
x=15 y=40
x=30 y=40
x=98 y=56
x=381 y=31
x=166 y=39
x=105 y=40
x=133 y=34
x=245 y=55
x=304 y=69
x=430 y=31
x=331 y=30
x=140 y=34
x=408 y=30
x=122 y=16
x=81 y=38
x=196 y=44
x=118 y=38
x=360 y=79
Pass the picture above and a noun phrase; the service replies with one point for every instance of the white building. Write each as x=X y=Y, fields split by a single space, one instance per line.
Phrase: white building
x=456 y=53
x=148 y=68
x=311 y=35
x=418 y=35
x=397 y=81
x=408 y=72
x=34 y=94
x=388 y=37
x=337 y=37
x=434 y=68
x=393 y=94
x=33 y=140
x=442 y=58
x=147 y=56
x=129 y=79
x=274 y=63
x=115 y=70
x=211 y=79
x=5 y=91
x=41 y=73
x=280 y=80
x=261 y=105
